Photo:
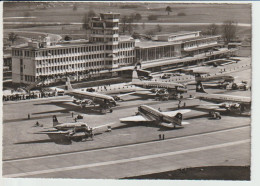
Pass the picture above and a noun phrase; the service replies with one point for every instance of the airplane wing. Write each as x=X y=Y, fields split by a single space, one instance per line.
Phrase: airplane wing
x=137 y=118
x=58 y=137
x=207 y=108
x=122 y=95
x=173 y=113
x=106 y=125
x=53 y=132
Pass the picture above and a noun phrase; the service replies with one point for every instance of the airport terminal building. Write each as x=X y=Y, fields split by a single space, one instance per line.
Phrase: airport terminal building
x=107 y=54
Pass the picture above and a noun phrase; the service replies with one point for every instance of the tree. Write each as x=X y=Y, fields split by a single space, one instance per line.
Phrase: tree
x=12 y=37
x=149 y=32
x=159 y=28
x=124 y=21
x=138 y=17
x=212 y=29
x=91 y=13
x=85 y=22
x=67 y=38
x=152 y=17
x=181 y=14
x=229 y=31
x=143 y=25
x=127 y=24
x=86 y=19
x=135 y=26
x=168 y=10
x=27 y=14
x=75 y=8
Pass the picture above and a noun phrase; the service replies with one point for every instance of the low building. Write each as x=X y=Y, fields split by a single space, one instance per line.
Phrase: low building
x=175 y=45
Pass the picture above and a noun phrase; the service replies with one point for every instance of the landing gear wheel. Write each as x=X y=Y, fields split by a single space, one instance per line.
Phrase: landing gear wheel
x=111 y=110
x=77 y=139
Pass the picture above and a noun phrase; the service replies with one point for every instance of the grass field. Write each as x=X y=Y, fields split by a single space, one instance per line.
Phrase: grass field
x=195 y=13
x=64 y=13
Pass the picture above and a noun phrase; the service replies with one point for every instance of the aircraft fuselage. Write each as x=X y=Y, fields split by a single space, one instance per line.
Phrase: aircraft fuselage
x=95 y=97
x=171 y=87
x=224 y=98
x=224 y=78
x=67 y=126
x=153 y=114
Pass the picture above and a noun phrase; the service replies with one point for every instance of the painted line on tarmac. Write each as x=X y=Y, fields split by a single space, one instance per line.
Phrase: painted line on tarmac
x=140 y=158
x=123 y=146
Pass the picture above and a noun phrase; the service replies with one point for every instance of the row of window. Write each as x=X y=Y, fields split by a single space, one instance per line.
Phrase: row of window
x=126 y=60
x=29 y=78
x=198 y=43
x=83 y=65
x=123 y=45
x=126 y=53
x=28 y=53
x=84 y=57
x=72 y=66
x=17 y=52
x=109 y=32
x=156 y=53
x=74 y=58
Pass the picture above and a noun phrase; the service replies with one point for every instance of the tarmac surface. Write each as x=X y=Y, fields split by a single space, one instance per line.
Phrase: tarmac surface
x=128 y=150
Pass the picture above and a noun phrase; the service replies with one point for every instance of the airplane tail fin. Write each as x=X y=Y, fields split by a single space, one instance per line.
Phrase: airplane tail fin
x=68 y=86
x=197 y=77
x=178 y=118
x=135 y=77
x=55 y=121
x=200 y=88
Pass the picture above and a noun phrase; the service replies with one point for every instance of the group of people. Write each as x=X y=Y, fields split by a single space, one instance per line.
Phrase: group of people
x=179 y=104
x=161 y=137
x=18 y=97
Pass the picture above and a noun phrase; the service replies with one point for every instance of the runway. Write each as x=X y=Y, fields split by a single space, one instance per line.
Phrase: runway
x=147 y=158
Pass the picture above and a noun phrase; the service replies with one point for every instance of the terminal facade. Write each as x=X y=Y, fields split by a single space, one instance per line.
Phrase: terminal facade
x=107 y=54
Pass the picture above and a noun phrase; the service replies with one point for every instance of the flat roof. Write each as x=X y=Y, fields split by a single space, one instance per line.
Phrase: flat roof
x=110 y=13
x=147 y=44
x=125 y=38
x=201 y=47
x=60 y=44
x=178 y=33
x=198 y=38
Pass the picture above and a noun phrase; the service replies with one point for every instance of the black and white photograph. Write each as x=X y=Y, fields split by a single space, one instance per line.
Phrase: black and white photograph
x=127 y=90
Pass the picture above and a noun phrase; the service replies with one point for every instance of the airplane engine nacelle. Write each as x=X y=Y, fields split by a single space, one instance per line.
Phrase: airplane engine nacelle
x=234 y=86
x=87 y=102
x=116 y=98
x=225 y=105
x=235 y=105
